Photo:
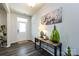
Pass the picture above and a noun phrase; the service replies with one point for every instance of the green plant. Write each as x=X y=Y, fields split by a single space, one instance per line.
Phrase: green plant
x=3 y=31
x=68 y=53
x=55 y=37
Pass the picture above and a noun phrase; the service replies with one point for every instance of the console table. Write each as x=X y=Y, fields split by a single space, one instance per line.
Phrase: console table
x=56 y=46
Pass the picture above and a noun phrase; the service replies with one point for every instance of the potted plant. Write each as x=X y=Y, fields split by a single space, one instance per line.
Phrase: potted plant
x=68 y=53
x=3 y=34
x=55 y=37
x=3 y=30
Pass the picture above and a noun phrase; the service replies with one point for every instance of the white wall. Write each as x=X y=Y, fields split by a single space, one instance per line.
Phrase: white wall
x=3 y=17
x=13 y=26
x=69 y=30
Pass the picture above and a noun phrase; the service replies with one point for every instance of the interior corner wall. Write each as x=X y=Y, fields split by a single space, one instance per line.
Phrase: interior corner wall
x=68 y=29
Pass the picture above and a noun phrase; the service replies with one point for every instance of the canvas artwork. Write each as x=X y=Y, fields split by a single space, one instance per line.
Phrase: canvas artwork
x=52 y=17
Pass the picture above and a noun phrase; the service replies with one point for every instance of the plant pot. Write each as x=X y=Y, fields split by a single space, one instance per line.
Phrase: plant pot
x=55 y=41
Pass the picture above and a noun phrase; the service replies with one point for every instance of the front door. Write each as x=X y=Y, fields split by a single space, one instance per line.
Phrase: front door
x=21 y=29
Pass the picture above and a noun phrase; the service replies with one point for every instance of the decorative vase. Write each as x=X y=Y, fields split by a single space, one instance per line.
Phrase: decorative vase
x=41 y=34
x=55 y=37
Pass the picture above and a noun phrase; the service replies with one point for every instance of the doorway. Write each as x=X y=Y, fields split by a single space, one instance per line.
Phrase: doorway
x=21 y=28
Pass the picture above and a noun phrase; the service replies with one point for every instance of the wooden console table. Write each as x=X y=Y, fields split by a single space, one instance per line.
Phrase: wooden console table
x=56 y=46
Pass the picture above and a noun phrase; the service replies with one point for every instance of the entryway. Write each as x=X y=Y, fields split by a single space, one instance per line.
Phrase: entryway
x=22 y=28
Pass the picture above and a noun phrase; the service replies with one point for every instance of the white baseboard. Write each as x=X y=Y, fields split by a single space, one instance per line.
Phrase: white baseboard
x=8 y=45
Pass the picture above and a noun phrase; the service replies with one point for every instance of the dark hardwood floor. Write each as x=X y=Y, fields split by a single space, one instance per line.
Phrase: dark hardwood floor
x=23 y=49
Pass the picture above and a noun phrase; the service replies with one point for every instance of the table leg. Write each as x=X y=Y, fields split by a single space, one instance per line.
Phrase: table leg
x=55 y=50
x=40 y=44
x=60 y=47
x=35 y=43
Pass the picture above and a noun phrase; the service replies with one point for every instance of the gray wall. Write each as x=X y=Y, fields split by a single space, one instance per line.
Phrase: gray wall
x=3 y=17
x=68 y=29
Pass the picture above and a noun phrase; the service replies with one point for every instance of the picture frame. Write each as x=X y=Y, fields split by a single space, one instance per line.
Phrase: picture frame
x=52 y=17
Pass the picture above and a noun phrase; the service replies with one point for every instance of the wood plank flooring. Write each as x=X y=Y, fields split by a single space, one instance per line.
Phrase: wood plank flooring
x=23 y=49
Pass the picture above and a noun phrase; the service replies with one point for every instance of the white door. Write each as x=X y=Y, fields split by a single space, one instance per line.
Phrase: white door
x=21 y=29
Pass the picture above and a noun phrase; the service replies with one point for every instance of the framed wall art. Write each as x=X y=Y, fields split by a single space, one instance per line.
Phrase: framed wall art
x=52 y=17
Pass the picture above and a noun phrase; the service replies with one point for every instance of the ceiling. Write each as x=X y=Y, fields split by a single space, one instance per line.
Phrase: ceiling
x=24 y=8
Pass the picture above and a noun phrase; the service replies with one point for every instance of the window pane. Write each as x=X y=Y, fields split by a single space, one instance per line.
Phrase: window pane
x=22 y=27
x=21 y=19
